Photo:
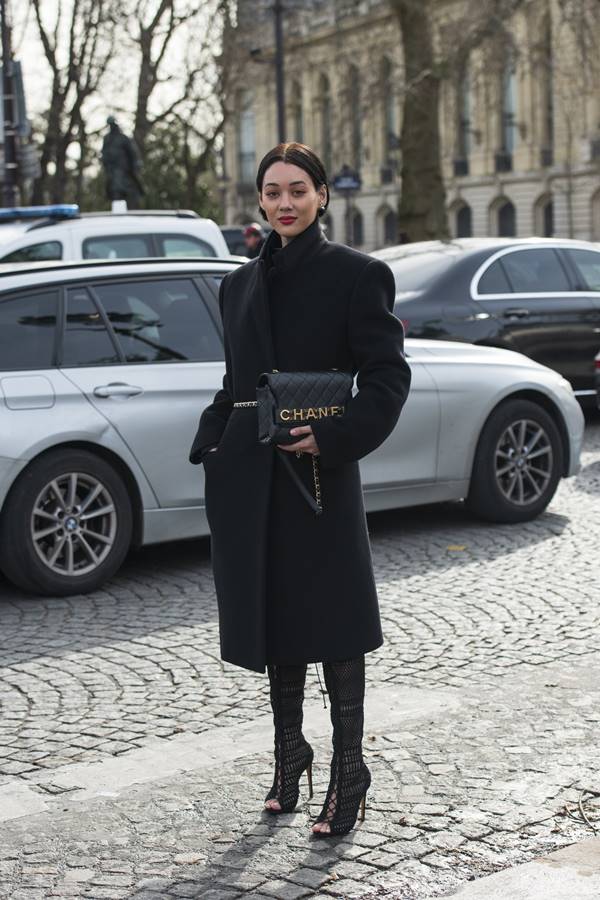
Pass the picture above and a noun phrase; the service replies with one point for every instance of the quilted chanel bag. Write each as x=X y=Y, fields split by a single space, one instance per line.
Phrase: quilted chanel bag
x=288 y=399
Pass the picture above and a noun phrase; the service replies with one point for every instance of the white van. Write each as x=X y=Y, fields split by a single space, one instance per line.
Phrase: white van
x=41 y=233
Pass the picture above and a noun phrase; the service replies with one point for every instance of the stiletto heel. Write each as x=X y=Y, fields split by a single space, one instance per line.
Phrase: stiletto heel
x=287 y=791
x=350 y=777
x=309 y=776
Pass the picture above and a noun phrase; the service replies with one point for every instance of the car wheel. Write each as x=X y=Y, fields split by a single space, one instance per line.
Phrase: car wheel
x=518 y=463
x=66 y=525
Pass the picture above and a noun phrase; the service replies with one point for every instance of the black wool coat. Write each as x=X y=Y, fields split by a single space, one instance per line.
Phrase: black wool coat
x=293 y=587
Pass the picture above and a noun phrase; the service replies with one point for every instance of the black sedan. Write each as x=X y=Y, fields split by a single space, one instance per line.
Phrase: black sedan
x=539 y=296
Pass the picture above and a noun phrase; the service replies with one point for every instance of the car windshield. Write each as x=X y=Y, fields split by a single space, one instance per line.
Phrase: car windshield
x=416 y=271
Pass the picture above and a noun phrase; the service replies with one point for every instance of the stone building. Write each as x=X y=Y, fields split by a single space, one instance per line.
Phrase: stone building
x=519 y=116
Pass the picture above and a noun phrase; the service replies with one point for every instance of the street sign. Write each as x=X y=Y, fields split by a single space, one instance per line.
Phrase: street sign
x=346 y=180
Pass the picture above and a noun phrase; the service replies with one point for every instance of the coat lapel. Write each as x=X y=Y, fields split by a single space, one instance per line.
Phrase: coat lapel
x=258 y=303
x=298 y=251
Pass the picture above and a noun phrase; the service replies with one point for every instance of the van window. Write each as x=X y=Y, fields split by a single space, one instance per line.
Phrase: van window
x=27 y=330
x=121 y=246
x=160 y=321
x=43 y=252
x=183 y=245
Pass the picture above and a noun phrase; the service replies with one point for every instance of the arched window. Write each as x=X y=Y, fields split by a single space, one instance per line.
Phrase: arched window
x=324 y=102
x=464 y=221
x=246 y=137
x=506 y=219
x=463 y=123
x=386 y=226
x=543 y=216
x=356 y=230
x=354 y=108
x=391 y=128
x=390 y=227
x=296 y=111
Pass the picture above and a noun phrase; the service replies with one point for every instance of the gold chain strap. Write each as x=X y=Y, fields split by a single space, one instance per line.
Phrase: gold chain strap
x=316 y=478
x=315 y=465
x=317 y=481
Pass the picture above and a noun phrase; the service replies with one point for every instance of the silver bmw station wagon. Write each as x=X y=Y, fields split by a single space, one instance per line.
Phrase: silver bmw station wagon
x=105 y=368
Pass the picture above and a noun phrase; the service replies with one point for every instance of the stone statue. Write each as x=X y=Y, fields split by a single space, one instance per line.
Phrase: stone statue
x=121 y=161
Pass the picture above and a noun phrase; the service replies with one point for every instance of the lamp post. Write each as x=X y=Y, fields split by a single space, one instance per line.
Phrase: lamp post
x=256 y=56
x=8 y=114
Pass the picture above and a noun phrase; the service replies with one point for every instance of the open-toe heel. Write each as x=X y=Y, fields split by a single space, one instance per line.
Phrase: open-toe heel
x=293 y=753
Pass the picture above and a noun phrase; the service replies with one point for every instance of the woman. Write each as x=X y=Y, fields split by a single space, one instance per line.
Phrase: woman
x=294 y=588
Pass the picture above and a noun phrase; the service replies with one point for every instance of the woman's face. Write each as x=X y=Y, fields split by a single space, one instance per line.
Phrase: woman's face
x=290 y=199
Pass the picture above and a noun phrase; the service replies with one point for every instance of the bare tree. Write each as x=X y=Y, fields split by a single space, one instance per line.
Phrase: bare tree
x=437 y=41
x=77 y=44
x=422 y=208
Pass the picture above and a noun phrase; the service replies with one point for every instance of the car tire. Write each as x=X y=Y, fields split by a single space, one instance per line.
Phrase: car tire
x=66 y=525
x=518 y=463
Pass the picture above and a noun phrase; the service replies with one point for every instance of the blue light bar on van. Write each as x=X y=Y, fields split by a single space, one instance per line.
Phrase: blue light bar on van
x=53 y=211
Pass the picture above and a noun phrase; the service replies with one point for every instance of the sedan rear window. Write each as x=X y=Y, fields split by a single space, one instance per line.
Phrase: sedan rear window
x=535 y=272
x=494 y=280
x=416 y=271
x=27 y=330
x=587 y=264
x=160 y=321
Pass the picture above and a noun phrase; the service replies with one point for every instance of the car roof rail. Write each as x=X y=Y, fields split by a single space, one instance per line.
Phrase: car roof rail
x=179 y=213
x=8 y=270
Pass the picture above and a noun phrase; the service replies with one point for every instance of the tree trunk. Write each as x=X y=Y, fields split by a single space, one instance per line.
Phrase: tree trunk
x=422 y=209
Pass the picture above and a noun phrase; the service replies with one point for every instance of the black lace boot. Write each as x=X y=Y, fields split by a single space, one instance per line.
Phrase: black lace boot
x=293 y=753
x=349 y=776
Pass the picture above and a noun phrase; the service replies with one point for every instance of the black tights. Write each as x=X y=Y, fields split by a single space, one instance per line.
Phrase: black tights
x=345 y=682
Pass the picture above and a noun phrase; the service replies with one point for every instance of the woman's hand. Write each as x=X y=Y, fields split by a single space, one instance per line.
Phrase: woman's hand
x=307 y=444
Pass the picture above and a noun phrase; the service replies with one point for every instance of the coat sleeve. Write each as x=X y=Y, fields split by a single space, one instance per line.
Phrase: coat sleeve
x=376 y=339
x=214 y=417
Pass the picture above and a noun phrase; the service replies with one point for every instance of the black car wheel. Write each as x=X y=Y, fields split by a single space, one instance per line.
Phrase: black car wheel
x=518 y=463
x=66 y=525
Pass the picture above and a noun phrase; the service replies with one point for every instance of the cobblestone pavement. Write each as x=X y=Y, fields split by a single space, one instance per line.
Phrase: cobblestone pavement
x=499 y=623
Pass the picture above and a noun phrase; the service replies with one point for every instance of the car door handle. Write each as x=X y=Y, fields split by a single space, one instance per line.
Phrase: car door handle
x=515 y=313
x=117 y=389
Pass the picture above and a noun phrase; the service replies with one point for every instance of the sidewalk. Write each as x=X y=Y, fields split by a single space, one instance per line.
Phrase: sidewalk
x=464 y=783
x=569 y=874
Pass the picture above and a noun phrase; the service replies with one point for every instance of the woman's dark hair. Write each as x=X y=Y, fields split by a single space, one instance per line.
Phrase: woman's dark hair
x=299 y=155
